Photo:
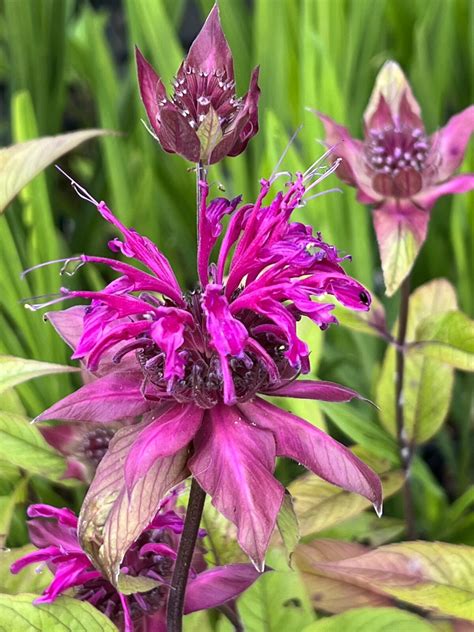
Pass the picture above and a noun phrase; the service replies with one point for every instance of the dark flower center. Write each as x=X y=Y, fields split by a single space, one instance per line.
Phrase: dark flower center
x=103 y=596
x=203 y=382
x=196 y=91
x=95 y=444
x=397 y=157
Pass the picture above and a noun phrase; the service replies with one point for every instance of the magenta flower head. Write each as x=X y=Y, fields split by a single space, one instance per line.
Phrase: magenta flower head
x=204 y=120
x=148 y=564
x=196 y=365
x=400 y=169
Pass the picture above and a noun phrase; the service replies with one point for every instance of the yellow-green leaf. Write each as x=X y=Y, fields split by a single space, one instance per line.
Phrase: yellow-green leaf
x=20 y=163
x=22 y=444
x=448 y=338
x=320 y=505
x=287 y=523
x=372 y=620
x=427 y=382
x=29 y=579
x=435 y=576
x=18 y=614
x=209 y=133
x=371 y=322
x=14 y=371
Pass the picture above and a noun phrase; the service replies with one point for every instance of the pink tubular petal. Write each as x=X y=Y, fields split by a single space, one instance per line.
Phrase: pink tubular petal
x=67 y=575
x=42 y=555
x=210 y=51
x=168 y=333
x=450 y=142
x=312 y=389
x=64 y=516
x=458 y=184
x=152 y=89
x=126 y=613
x=233 y=461
x=329 y=459
x=171 y=431
x=352 y=169
x=110 y=398
x=216 y=586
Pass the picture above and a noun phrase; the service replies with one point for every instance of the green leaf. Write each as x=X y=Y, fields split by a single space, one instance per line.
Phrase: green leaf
x=28 y=579
x=427 y=381
x=371 y=322
x=66 y=614
x=209 y=133
x=287 y=523
x=7 y=507
x=448 y=338
x=22 y=444
x=14 y=371
x=320 y=505
x=277 y=600
x=431 y=575
x=129 y=585
x=20 y=163
x=373 y=619
x=221 y=538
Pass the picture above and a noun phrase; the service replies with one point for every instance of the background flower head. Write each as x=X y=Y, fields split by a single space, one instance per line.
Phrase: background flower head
x=399 y=168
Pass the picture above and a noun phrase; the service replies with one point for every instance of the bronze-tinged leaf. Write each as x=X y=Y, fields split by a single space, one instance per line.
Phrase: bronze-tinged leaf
x=434 y=576
x=327 y=593
x=373 y=620
x=20 y=163
x=14 y=370
x=112 y=518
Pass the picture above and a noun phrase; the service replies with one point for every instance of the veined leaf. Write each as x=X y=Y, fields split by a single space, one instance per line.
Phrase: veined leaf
x=20 y=163
x=277 y=600
x=14 y=371
x=287 y=523
x=448 y=338
x=28 y=579
x=330 y=594
x=373 y=619
x=112 y=517
x=66 y=614
x=431 y=575
x=320 y=505
x=427 y=381
x=22 y=444
x=209 y=133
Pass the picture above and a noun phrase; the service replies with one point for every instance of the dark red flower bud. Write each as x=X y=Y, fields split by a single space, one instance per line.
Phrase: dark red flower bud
x=204 y=119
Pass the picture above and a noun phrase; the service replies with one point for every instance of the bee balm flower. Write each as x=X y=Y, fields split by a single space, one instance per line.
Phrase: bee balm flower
x=400 y=169
x=195 y=365
x=204 y=120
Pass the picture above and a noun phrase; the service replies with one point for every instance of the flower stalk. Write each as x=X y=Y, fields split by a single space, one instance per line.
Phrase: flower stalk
x=406 y=450
x=187 y=543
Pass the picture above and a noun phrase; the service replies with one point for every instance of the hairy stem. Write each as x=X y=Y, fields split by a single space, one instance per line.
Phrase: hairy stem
x=406 y=449
x=187 y=543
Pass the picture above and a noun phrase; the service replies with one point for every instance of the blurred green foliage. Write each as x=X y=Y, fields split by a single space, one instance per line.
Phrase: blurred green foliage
x=68 y=64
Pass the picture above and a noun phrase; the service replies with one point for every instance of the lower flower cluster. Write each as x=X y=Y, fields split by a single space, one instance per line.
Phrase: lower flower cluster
x=145 y=571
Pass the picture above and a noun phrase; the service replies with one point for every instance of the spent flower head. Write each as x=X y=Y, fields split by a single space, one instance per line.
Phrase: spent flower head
x=196 y=364
x=204 y=120
x=399 y=168
x=146 y=569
